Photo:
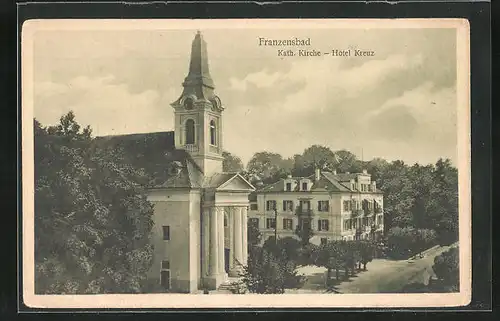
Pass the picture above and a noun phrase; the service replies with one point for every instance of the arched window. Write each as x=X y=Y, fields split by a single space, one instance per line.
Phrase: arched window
x=213 y=140
x=190 y=131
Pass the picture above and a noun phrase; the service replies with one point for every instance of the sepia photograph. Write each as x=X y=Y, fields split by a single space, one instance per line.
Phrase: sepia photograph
x=237 y=164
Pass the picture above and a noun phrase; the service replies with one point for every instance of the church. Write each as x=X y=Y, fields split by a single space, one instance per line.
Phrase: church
x=200 y=211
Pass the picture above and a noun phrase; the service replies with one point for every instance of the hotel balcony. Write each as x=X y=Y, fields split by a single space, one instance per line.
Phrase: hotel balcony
x=357 y=213
x=302 y=212
x=190 y=148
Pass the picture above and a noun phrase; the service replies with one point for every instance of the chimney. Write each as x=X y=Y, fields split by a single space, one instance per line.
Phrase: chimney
x=365 y=171
x=289 y=176
x=317 y=174
x=334 y=172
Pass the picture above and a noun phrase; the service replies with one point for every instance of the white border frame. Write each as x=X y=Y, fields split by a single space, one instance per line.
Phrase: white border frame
x=131 y=301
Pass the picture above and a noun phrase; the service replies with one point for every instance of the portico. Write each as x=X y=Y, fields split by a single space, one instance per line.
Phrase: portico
x=224 y=223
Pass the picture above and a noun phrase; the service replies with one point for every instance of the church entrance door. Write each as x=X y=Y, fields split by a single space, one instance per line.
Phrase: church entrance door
x=227 y=256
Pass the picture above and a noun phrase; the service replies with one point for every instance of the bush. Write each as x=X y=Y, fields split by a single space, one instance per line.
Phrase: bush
x=268 y=273
x=404 y=242
x=289 y=247
x=446 y=267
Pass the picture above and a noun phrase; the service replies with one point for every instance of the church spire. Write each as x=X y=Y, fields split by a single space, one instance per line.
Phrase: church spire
x=199 y=74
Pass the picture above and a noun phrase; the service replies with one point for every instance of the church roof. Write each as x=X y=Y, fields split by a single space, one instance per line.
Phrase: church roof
x=199 y=73
x=156 y=154
x=198 y=84
x=218 y=179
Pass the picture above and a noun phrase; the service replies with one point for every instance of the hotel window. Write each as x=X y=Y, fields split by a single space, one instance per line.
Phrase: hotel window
x=323 y=225
x=165 y=275
x=288 y=187
x=213 y=138
x=379 y=220
x=270 y=223
x=323 y=206
x=304 y=186
x=254 y=207
x=189 y=131
x=287 y=224
x=254 y=222
x=225 y=221
x=324 y=240
x=287 y=206
x=270 y=205
x=347 y=206
x=166 y=233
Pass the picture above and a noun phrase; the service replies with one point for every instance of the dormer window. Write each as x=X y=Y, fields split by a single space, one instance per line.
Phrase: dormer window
x=288 y=187
x=304 y=186
x=189 y=131
x=213 y=138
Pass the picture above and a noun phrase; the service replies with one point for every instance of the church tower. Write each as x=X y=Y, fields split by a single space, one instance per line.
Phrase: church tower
x=198 y=113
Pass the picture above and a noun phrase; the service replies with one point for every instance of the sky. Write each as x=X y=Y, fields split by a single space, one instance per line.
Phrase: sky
x=398 y=104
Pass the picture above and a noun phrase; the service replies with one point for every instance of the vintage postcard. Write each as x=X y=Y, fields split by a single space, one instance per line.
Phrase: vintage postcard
x=246 y=163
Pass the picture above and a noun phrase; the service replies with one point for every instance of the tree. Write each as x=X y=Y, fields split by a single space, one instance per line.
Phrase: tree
x=425 y=238
x=366 y=250
x=400 y=242
x=352 y=257
x=231 y=163
x=267 y=166
x=446 y=268
x=376 y=167
x=315 y=156
x=287 y=247
x=92 y=218
x=443 y=205
x=254 y=235
x=332 y=256
x=267 y=273
x=347 y=162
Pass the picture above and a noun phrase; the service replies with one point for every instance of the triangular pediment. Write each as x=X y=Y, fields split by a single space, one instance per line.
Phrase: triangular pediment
x=236 y=183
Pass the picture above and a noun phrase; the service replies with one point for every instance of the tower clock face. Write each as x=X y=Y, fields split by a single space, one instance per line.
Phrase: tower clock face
x=188 y=104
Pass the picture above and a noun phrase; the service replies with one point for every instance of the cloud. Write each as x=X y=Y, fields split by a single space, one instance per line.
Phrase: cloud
x=261 y=79
x=108 y=107
x=394 y=123
x=281 y=105
x=325 y=110
x=435 y=109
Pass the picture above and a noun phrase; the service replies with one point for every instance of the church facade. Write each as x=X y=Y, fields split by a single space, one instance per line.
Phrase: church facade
x=200 y=212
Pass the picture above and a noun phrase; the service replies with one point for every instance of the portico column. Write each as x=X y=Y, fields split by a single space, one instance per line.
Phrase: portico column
x=220 y=230
x=214 y=240
x=230 y=230
x=244 y=219
x=206 y=242
x=238 y=249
